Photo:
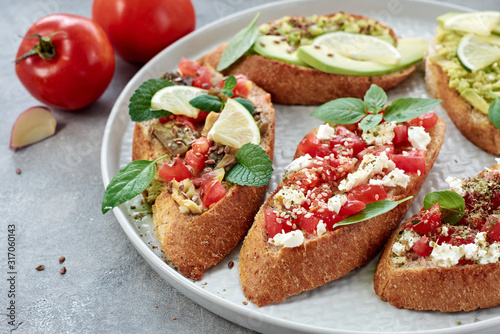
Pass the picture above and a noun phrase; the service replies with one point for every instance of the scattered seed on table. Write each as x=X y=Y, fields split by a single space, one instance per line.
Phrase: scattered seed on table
x=63 y=270
x=40 y=267
x=62 y=259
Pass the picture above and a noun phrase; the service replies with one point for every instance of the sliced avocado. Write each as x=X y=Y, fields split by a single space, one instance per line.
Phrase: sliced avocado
x=327 y=60
x=477 y=101
x=275 y=48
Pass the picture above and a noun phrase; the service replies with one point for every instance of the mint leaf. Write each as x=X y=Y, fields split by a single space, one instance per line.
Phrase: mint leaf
x=245 y=103
x=452 y=205
x=239 y=44
x=229 y=85
x=341 y=111
x=140 y=102
x=375 y=99
x=206 y=102
x=373 y=209
x=253 y=168
x=129 y=182
x=370 y=121
x=494 y=112
x=407 y=108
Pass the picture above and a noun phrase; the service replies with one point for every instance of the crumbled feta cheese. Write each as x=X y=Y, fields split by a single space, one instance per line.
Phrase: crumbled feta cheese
x=396 y=177
x=398 y=249
x=456 y=184
x=321 y=228
x=444 y=230
x=325 y=131
x=446 y=255
x=336 y=202
x=370 y=166
x=380 y=134
x=289 y=239
x=289 y=197
x=406 y=241
x=492 y=255
x=418 y=138
x=299 y=163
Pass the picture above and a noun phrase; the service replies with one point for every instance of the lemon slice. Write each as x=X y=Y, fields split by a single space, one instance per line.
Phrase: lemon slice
x=475 y=54
x=360 y=47
x=479 y=23
x=235 y=126
x=176 y=100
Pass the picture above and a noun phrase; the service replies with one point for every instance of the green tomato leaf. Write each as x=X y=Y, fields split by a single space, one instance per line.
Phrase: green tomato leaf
x=341 y=111
x=494 y=112
x=253 y=168
x=140 y=102
x=370 y=121
x=245 y=103
x=206 y=102
x=229 y=85
x=407 y=108
x=129 y=182
x=240 y=44
x=375 y=99
x=373 y=209
x=452 y=205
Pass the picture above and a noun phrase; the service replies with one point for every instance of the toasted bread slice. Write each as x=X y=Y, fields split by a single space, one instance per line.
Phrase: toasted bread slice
x=472 y=123
x=195 y=242
x=421 y=285
x=269 y=274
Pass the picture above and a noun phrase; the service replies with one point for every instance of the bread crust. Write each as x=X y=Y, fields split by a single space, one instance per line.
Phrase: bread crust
x=270 y=274
x=196 y=242
x=453 y=289
x=471 y=122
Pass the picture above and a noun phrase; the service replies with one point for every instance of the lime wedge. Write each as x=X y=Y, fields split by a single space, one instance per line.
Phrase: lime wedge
x=479 y=23
x=475 y=53
x=235 y=126
x=176 y=100
x=360 y=47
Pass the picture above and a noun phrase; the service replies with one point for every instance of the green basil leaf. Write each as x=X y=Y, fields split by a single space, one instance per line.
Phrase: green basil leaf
x=375 y=99
x=239 y=44
x=140 y=102
x=370 y=121
x=129 y=182
x=373 y=209
x=245 y=103
x=229 y=85
x=452 y=205
x=494 y=112
x=254 y=167
x=206 y=102
x=341 y=111
x=407 y=108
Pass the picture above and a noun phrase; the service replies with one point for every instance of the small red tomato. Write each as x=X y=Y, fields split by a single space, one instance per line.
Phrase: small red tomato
x=427 y=120
x=188 y=67
x=176 y=170
x=243 y=85
x=214 y=192
x=422 y=247
x=400 y=134
x=276 y=225
x=75 y=66
x=368 y=193
x=309 y=145
x=307 y=224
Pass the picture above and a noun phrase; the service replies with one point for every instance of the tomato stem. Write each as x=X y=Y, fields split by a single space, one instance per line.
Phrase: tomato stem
x=45 y=48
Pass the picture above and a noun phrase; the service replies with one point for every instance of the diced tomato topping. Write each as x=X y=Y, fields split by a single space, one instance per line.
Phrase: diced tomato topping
x=458 y=240
x=197 y=155
x=201 y=145
x=332 y=170
x=346 y=140
x=243 y=85
x=274 y=224
x=188 y=121
x=376 y=150
x=188 y=67
x=368 y=193
x=302 y=180
x=427 y=221
x=427 y=120
x=308 y=224
x=176 y=170
x=492 y=229
x=351 y=207
x=400 y=134
x=202 y=116
x=329 y=218
x=309 y=145
x=422 y=247
x=213 y=193
x=413 y=162
x=202 y=78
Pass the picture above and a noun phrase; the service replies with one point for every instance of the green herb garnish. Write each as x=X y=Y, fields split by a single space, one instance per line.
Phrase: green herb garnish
x=452 y=205
x=245 y=103
x=229 y=85
x=207 y=103
x=140 y=102
x=494 y=112
x=253 y=168
x=369 y=110
x=129 y=182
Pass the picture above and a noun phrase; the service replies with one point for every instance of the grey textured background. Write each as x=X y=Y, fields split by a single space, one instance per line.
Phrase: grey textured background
x=55 y=205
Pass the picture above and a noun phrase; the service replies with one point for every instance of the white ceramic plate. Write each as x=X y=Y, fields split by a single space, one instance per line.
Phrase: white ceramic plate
x=346 y=305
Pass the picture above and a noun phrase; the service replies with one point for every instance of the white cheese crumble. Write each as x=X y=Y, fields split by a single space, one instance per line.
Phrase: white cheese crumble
x=456 y=184
x=446 y=255
x=370 y=166
x=289 y=197
x=405 y=242
x=396 y=177
x=418 y=137
x=380 y=134
x=321 y=228
x=299 y=163
x=289 y=239
x=325 y=131
x=336 y=202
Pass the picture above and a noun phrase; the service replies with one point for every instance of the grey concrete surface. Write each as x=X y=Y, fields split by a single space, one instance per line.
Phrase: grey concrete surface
x=55 y=206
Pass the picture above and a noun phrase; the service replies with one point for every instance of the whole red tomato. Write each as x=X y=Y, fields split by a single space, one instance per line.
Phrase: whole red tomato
x=139 y=29
x=78 y=66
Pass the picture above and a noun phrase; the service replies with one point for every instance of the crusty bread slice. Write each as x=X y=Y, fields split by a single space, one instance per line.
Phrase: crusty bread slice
x=426 y=287
x=472 y=123
x=196 y=242
x=269 y=274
